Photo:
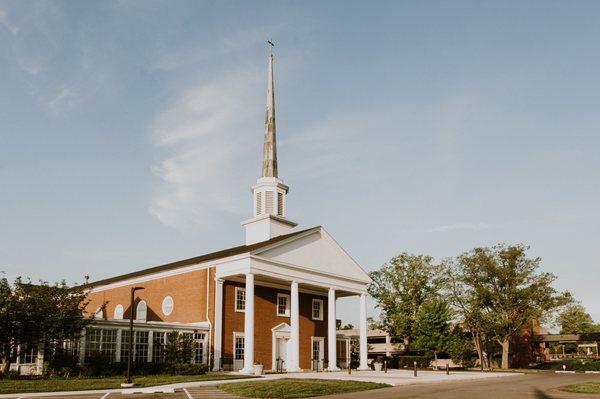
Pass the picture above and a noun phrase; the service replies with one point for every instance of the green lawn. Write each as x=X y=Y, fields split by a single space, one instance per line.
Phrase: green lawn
x=290 y=388
x=586 y=387
x=80 y=384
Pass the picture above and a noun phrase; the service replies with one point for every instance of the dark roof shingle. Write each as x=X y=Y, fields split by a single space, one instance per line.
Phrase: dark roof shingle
x=198 y=259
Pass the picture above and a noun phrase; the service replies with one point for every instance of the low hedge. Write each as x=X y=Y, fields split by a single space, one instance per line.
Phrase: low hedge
x=100 y=366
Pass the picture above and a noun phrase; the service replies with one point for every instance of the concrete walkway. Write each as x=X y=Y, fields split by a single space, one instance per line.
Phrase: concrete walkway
x=397 y=377
x=392 y=378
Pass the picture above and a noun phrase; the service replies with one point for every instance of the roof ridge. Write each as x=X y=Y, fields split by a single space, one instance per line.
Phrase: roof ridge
x=194 y=260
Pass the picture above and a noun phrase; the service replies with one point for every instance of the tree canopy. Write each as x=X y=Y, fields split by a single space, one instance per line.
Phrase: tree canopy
x=502 y=290
x=431 y=330
x=401 y=287
x=35 y=314
x=575 y=320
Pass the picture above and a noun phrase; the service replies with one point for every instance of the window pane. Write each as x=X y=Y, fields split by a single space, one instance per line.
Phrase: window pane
x=158 y=346
x=140 y=352
x=240 y=300
x=239 y=348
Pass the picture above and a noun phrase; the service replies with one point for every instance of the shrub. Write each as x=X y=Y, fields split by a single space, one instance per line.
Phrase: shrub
x=586 y=365
x=61 y=364
x=408 y=361
x=11 y=375
x=187 y=369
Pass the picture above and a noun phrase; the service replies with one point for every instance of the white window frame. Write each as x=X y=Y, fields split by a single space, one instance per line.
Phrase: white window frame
x=237 y=335
x=163 y=305
x=287 y=305
x=119 y=312
x=312 y=309
x=137 y=311
x=238 y=289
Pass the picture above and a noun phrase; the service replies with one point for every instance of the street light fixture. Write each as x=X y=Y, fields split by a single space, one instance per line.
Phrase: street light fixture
x=131 y=315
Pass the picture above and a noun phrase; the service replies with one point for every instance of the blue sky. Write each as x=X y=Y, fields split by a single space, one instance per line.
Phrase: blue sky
x=131 y=130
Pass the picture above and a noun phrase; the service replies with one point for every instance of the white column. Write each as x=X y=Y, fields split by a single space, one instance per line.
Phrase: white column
x=218 y=327
x=363 y=333
x=331 y=340
x=249 y=325
x=294 y=329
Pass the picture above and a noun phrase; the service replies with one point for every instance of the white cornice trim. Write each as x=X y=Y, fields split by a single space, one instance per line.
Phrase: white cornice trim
x=309 y=270
x=169 y=273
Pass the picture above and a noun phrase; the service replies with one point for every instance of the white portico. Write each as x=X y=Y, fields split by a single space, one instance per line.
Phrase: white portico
x=311 y=262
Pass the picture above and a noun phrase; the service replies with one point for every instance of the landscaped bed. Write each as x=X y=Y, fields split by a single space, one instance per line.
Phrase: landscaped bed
x=81 y=384
x=290 y=388
x=585 y=387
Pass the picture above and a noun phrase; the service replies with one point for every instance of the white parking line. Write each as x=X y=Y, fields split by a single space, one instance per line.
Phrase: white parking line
x=187 y=393
x=105 y=396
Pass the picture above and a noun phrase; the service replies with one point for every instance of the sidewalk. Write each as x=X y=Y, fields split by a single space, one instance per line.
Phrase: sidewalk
x=392 y=378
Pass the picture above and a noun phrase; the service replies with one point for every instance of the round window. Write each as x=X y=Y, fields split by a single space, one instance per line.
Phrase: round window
x=167 y=305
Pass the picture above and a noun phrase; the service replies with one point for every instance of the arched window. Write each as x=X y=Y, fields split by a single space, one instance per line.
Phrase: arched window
x=167 y=305
x=118 y=312
x=99 y=314
x=141 y=311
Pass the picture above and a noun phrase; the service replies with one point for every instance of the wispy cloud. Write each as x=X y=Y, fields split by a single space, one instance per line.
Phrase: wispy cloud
x=204 y=134
x=63 y=97
x=12 y=28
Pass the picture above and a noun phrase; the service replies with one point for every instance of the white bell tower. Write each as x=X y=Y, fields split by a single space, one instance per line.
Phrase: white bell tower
x=269 y=192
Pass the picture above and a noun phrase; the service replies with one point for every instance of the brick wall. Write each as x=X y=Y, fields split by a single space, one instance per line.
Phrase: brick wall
x=265 y=318
x=188 y=291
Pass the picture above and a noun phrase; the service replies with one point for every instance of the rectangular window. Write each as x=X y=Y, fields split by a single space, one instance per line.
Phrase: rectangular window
x=283 y=305
x=317 y=309
x=124 y=345
x=240 y=299
x=159 y=339
x=279 y=204
x=109 y=344
x=100 y=342
x=238 y=349
x=28 y=355
x=199 y=355
x=140 y=350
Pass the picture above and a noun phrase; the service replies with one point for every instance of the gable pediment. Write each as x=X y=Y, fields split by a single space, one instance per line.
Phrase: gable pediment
x=316 y=251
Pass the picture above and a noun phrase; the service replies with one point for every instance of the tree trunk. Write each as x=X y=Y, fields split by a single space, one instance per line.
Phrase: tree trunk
x=5 y=364
x=477 y=344
x=505 y=347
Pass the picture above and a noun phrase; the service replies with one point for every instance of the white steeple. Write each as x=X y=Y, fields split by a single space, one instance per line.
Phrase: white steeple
x=269 y=192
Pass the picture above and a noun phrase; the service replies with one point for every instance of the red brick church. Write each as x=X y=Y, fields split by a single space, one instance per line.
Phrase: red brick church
x=270 y=301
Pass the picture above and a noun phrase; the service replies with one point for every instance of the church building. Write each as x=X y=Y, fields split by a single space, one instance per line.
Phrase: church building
x=269 y=301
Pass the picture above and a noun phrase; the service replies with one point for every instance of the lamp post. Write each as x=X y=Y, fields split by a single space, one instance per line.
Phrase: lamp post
x=130 y=345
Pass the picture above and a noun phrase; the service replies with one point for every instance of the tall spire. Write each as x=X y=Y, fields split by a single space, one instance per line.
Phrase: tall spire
x=269 y=168
x=269 y=193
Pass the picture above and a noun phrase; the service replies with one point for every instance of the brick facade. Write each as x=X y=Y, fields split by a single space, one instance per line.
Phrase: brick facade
x=266 y=318
x=194 y=301
x=188 y=290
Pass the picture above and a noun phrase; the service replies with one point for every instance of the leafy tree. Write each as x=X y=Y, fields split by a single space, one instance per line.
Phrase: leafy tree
x=460 y=347
x=179 y=348
x=32 y=315
x=401 y=287
x=575 y=320
x=431 y=330
x=465 y=301
x=507 y=289
x=348 y=327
